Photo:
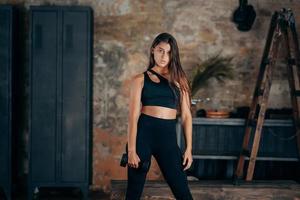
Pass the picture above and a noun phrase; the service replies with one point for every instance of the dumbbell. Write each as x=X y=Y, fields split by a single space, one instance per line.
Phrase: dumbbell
x=143 y=165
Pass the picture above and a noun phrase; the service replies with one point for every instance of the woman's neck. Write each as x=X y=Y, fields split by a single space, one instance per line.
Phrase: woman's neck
x=160 y=70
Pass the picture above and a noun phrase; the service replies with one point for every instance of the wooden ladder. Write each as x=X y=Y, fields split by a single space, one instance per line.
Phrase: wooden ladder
x=282 y=28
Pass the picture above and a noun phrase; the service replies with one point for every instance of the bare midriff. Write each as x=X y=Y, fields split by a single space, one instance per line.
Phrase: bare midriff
x=159 y=111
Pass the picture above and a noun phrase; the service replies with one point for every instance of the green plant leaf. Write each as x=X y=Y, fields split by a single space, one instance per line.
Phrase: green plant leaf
x=216 y=66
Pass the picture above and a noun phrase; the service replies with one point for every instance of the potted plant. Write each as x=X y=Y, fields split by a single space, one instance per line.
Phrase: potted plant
x=218 y=67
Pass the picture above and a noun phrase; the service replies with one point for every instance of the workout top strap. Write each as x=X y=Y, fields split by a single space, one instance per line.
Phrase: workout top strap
x=159 y=75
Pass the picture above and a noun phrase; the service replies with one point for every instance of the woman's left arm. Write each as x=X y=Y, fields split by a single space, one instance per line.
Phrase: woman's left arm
x=186 y=118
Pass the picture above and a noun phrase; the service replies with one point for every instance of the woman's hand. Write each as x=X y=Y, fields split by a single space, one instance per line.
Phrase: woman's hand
x=133 y=159
x=187 y=159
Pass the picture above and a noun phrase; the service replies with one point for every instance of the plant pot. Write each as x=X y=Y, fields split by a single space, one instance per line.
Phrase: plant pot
x=218 y=114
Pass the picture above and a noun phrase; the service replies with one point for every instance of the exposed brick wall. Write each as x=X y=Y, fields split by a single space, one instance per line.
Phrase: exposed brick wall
x=123 y=32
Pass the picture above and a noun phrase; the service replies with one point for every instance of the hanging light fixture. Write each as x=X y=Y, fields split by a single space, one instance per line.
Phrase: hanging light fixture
x=244 y=16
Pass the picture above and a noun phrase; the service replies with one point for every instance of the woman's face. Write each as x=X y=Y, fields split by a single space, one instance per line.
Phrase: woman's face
x=162 y=54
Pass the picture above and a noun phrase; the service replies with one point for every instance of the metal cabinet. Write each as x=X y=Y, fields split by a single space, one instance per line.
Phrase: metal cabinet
x=60 y=97
x=6 y=97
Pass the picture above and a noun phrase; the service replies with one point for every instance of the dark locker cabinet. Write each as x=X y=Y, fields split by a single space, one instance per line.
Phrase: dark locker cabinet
x=7 y=19
x=60 y=97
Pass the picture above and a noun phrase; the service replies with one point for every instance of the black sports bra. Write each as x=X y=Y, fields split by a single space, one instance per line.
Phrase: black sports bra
x=159 y=94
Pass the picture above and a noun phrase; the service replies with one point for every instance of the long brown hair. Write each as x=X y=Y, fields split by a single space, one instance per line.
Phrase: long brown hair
x=175 y=69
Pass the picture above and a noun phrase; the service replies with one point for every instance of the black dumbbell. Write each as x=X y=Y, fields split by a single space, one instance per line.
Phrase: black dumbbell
x=143 y=165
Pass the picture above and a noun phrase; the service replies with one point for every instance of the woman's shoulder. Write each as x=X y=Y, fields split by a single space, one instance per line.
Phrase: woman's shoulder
x=137 y=78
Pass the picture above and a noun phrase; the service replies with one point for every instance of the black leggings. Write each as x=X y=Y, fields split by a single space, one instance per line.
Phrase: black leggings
x=157 y=137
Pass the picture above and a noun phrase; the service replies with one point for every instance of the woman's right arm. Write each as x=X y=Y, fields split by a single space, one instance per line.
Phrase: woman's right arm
x=136 y=86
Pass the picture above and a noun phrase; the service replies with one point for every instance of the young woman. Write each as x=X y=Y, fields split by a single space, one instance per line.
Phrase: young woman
x=162 y=89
